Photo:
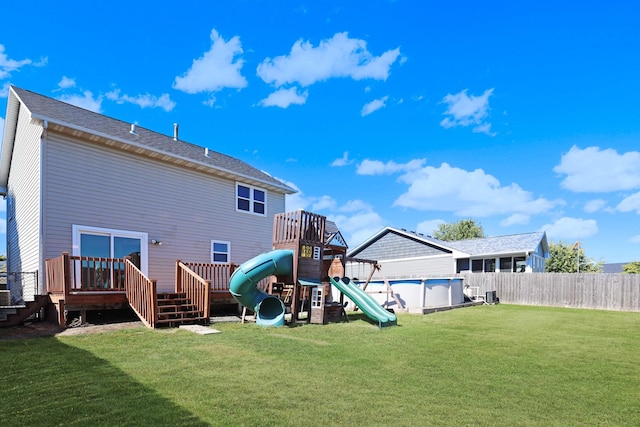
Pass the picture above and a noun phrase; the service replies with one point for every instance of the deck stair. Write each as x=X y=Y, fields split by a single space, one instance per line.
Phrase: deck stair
x=14 y=315
x=175 y=309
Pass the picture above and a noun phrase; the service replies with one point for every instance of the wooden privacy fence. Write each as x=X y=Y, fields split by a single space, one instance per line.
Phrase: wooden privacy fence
x=620 y=292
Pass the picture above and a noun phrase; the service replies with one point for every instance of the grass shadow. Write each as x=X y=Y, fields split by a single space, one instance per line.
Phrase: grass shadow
x=64 y=385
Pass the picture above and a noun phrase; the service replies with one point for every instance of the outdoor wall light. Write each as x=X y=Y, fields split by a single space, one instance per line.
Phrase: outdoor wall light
x=156 y=242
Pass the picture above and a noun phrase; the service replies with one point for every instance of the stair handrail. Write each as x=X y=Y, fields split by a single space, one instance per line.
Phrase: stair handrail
x=141 y=293
x=197 y=289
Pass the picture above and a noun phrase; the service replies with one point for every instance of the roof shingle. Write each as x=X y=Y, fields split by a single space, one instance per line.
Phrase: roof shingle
x=68 y=115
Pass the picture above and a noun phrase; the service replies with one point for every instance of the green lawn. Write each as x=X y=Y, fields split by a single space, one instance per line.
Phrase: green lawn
x=486 y=365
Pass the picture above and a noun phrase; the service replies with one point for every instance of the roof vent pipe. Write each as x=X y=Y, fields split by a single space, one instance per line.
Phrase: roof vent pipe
x=133 y=129
x=175 y=131
x=206 y=152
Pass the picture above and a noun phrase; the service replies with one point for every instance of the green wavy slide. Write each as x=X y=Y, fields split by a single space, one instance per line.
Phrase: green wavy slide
x=365 y=302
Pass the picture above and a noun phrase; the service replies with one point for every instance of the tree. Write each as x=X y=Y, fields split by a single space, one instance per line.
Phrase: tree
x=570 y=259
x=632 y=268
x=461 y=230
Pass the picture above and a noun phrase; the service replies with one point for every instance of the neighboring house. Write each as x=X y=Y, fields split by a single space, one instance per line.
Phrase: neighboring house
x=90 y=185
x=405 y=254
x=614 y=267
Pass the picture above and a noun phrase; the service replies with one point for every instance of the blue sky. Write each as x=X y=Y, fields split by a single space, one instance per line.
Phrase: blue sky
x=520 y=115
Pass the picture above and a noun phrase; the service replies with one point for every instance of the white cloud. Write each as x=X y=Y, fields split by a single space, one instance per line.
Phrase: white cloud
x=599 y=171
x=373 y=106
x=464 y=110
x=468 y=194
x=430 y=226
x=143 y=101
x=635 y=239
x=4 y=90
x=343 y=161
x=284 y=97
x=376 y=167
x=339 y=56
x=356 y=219
x=299 y=200
x=355 y=206
x=594 y=205
x=86 y=101
x=7 y=66
x=571 y=228
x=630 y=203
x=216 y=69
x=66 y=83
x=322 y=203
x=358 y=225
x=516 y=219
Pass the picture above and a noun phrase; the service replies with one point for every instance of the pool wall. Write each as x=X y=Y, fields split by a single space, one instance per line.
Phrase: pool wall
x=416 y=293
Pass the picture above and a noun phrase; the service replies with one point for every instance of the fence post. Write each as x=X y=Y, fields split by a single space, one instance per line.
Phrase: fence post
x=178 y=277
x=66 y=272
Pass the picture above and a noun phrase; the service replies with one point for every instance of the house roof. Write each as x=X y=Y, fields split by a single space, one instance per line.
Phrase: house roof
x=515 y=243
x=614 y=267
x=525 y=242
x=63 y=117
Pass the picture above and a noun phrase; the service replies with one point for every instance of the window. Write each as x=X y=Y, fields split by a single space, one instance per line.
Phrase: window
x=220 y=252
x=476 y=266
x=519 y=264
x=490 y=265
x=251 y=199
x=505 y=264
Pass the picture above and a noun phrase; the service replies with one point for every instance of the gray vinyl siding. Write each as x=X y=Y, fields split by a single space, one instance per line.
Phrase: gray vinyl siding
x=97 y=186
x=23 y=222
x=422 y=267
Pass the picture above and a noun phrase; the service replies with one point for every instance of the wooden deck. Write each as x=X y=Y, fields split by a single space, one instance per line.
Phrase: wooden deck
x=91 y=283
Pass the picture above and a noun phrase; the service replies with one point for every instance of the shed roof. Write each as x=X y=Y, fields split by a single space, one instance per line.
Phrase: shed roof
x=67 y=116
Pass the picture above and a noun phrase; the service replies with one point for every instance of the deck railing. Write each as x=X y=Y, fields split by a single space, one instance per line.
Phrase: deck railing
x=58 y=276
x=69 y=273
x=142 y=294
x=300 y=226
x=216 y=274
x=196 y=288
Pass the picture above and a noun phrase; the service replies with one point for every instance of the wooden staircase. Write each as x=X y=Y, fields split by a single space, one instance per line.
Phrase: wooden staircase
x=17 y=315
x=176 y=309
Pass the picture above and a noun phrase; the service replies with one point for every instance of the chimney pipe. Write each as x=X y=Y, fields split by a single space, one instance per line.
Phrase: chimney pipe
x=133 y=129
x=175 y=131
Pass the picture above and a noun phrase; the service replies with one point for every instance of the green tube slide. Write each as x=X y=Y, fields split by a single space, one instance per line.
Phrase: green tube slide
x=365 y=302
x=243 y=285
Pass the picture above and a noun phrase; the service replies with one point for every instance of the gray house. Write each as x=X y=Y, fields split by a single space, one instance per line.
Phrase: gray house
x=82 y=183
x=406 y=254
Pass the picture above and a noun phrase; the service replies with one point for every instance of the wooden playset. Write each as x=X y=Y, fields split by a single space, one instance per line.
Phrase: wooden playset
x=316 y=246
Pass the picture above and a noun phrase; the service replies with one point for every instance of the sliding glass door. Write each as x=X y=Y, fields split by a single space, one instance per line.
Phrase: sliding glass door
x=106 y=244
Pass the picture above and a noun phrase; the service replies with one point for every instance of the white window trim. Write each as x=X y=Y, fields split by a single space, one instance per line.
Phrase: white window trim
x=228 y=251
x=251 y=188
x=144 y=241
